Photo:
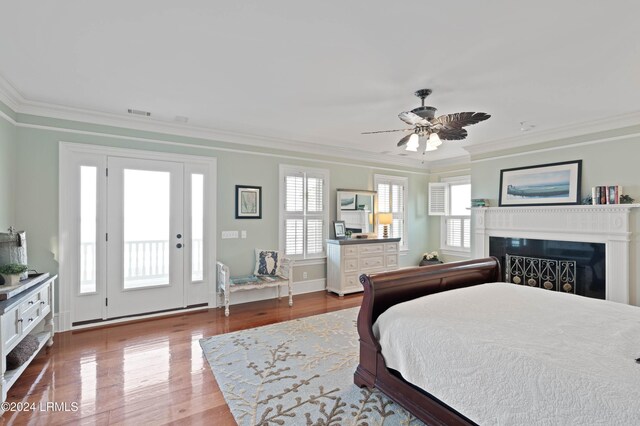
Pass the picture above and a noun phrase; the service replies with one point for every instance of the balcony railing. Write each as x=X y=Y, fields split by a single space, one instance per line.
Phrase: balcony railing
x=143 y=261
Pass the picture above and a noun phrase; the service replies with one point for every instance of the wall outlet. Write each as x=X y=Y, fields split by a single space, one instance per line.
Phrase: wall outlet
x=243 y=234
x=305 y=275
x=229 y=234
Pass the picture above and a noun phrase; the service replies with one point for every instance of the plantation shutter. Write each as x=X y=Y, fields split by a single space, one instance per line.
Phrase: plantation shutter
x=391 y=199
x=305 y=209
x=458 y=232
x=315 y=214
x=438 y=199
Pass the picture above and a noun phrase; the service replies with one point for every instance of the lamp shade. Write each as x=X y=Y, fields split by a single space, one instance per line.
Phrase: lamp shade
x=385 y=218
x=434 y=140
x=414 y=143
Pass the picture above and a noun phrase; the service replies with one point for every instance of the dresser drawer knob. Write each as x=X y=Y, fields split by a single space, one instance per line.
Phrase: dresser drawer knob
x=20 y=320
x=31 y=302
x=42 y=302
x=30 y=319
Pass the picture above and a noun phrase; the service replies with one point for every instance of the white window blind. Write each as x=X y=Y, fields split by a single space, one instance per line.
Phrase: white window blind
x=305 y=211
x=392 y=198
x=458 y=232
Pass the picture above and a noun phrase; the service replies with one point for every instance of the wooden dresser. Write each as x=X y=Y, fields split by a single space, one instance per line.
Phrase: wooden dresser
x=348 y=259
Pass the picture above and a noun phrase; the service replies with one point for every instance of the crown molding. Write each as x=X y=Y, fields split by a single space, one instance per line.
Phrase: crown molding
x=9 y=95
x=13 y=99
x=459 y=160
x=558 y=133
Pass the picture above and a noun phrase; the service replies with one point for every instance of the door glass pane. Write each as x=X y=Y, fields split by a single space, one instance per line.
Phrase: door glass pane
x=88 y=200
x=146 y=228
x=197 y=222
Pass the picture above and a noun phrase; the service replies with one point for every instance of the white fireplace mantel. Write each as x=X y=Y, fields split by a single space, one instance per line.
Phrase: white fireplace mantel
x=607 y=224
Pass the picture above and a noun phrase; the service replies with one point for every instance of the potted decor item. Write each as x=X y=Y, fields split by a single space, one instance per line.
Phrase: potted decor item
x=11 y=273
x=430 y=259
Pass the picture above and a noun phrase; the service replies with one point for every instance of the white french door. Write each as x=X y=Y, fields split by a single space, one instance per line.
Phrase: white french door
x=137 y=233
x=145 y=229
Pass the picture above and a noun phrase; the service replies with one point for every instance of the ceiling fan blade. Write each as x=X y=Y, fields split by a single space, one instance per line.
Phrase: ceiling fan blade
x=460 y=119
x=387 y=131
x=452 y=134
x=404 y=140
x=413 y=119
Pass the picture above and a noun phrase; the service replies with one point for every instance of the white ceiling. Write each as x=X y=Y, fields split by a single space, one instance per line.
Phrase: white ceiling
x=323 y=72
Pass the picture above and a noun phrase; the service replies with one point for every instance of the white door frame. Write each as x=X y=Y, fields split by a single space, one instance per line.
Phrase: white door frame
x=67 y=223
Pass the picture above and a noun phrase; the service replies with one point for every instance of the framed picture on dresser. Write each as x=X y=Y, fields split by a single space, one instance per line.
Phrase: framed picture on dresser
x=339 y=229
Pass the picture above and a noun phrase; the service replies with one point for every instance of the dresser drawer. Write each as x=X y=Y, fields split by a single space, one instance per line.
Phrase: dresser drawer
x=366 y=249
x=391 y=247
x=351 y=264
x=351 y=282
x=371 y=262
x=27 y=304
x=350 y=251
x=392 y=260
x=30 y=317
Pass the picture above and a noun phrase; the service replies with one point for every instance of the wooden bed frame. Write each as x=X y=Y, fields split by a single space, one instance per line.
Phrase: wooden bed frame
x=381 y=291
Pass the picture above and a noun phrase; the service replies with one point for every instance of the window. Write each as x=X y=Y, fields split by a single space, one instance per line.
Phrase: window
x=451 y=199
x=392 y=198
x=304 y=195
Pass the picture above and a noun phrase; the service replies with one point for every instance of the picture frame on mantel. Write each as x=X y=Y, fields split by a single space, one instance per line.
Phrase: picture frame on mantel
x=248 y=202
x=550 y=184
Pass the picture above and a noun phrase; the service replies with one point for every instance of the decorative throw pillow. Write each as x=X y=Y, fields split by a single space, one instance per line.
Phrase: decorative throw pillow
x=267 y=262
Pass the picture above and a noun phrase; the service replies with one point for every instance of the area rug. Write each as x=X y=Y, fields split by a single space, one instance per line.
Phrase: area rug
x=298 y=372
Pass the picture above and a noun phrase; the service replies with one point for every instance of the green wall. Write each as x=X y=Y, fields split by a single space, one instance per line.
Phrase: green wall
x=37 y=184
x=607 y=162
x=7 y=173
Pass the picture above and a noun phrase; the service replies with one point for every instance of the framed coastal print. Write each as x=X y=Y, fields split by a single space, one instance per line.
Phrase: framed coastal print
x=347 y=200
x=248 y=202
x=541 y=185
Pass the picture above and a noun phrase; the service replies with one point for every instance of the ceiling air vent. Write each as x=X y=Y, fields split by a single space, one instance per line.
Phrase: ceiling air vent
x=139 y=112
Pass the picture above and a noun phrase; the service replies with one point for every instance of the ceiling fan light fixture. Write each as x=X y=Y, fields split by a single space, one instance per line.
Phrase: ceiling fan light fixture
x=430 y=147
x=414 y=143
x=434 y=140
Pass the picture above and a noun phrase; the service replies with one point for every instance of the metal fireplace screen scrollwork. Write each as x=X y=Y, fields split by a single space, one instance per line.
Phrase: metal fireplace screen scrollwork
x=550 y=274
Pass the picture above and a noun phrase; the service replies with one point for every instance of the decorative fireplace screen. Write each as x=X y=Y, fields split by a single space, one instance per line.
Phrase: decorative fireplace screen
x=550 y=274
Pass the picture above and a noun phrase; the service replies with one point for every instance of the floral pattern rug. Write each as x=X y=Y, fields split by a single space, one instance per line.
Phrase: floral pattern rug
x=298 y=372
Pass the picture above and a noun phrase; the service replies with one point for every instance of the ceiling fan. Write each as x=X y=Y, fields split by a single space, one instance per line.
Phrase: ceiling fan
x=422 y=118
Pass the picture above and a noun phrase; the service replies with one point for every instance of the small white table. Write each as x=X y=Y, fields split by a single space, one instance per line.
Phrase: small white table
x=227 y=286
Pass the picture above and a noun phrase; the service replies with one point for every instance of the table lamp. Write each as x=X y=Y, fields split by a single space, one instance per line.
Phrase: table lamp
x=385 y=219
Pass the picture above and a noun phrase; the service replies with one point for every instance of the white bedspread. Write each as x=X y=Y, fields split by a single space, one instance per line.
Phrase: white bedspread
x=513 y=355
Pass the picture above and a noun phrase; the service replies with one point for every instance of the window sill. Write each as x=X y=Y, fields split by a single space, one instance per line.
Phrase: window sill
x=455 y=252
x=320 y=260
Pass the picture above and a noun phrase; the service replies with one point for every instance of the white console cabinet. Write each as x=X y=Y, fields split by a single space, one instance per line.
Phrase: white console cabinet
x=29 y=312
x=348 y=259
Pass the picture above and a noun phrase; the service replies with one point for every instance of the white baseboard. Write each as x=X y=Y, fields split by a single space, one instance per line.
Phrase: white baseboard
x=299 y=287
x=62 y=321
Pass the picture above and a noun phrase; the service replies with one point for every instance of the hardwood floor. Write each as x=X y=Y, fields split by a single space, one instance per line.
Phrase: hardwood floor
x=147 y=372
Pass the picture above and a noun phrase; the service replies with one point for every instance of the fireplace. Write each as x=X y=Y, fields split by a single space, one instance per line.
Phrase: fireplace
x=566 y=266
x=604 y=228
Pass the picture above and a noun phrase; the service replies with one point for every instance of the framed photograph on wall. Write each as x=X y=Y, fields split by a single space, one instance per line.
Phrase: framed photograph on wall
x=339 y=229
x=248 y=202
x=541 y=185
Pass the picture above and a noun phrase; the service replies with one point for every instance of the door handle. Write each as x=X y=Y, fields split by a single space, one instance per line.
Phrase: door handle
x=179 y=245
